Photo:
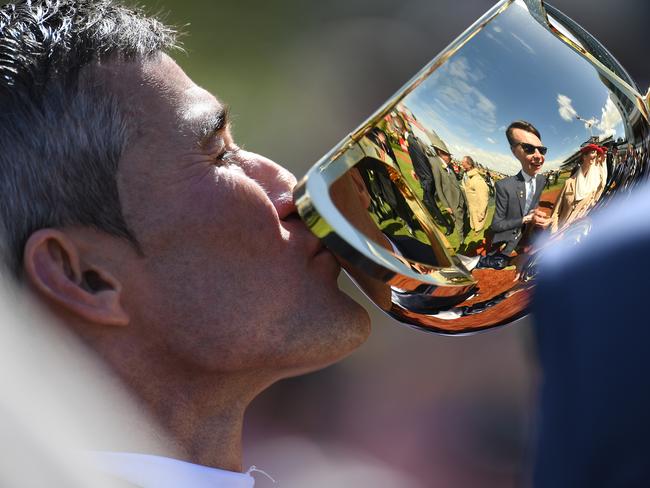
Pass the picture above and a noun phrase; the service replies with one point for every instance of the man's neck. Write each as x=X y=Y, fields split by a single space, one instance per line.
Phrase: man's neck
x=201 y=413
x=204 y=414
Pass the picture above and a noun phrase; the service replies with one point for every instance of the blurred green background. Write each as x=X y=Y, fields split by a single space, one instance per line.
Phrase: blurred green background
x=409 y=409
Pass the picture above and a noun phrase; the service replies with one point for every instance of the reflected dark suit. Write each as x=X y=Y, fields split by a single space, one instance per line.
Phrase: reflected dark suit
x=423 y=170
x=592 y=328
x=510 y=201
x=381 y=188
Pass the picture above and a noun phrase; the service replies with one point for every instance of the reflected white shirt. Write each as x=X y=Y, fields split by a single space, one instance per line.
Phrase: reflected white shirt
x=148 y=471
x=529 y=182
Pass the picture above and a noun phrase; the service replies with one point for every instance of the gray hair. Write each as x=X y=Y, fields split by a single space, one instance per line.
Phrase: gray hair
x=62 y=133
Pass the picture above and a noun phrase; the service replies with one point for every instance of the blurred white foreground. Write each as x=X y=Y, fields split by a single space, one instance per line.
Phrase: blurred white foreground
x=57 y=401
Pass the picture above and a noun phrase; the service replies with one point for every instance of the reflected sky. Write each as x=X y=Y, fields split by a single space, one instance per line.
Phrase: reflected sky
x=514 y=69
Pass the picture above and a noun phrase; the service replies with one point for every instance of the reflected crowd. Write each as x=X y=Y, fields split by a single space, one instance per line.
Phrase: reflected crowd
x=479 y=213
x=457 y=217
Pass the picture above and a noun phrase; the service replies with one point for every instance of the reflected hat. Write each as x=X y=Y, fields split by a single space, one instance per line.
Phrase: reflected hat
x=438 y=143
x=591 y=147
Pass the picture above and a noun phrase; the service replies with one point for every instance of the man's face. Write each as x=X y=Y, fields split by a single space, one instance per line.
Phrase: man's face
x=230 y=278
x=465 y=164
x=446 y=157
x=530 y=163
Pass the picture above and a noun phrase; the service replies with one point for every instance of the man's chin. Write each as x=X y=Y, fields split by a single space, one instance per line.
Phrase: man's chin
x=361 y=329
x=344 y=333
x=353 y=323
x=331 y=354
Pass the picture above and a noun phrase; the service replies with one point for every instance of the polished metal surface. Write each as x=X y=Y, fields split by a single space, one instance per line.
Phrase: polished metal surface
x=425 y=202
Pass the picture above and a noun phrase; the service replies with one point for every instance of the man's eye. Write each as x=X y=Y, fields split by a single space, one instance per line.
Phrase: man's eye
x=226 y=157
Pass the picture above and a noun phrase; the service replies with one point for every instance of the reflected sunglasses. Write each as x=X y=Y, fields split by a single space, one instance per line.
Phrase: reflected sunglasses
x=530 y=149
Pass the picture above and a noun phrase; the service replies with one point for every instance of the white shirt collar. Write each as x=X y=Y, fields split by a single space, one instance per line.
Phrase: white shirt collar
x=148 y=471
x=526 y=176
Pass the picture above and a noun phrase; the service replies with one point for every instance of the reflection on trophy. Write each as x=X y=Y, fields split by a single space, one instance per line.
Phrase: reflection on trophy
x=462 y=178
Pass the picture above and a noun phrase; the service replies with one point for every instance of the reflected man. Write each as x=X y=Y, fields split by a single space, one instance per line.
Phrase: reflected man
x=447 y=186
x=477 y=194
x=376 y=177
x=424 y=172
x=517 y=196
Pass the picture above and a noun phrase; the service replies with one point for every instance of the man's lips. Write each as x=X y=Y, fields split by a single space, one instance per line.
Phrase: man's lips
x=285 y=208
x=288 y=214
x=320 y=249
x=308 y=241
x=316 y=246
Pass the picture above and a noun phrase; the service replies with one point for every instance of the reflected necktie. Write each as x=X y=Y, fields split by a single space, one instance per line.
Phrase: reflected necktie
x=530 y=191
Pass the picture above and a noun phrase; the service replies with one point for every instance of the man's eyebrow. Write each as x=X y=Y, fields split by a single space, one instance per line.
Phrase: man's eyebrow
x=212 y=124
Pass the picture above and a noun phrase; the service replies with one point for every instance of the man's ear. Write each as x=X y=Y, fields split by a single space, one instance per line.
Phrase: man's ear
x=54 y=266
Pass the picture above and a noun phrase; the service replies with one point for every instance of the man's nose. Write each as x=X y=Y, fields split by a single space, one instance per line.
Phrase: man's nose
x=277 y=181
